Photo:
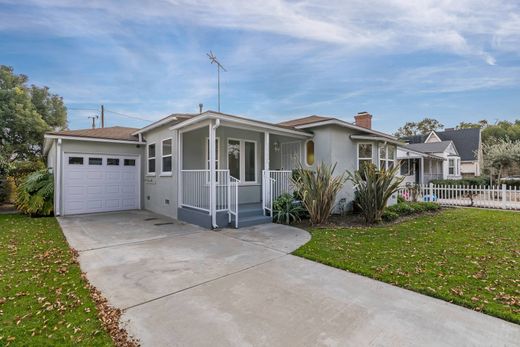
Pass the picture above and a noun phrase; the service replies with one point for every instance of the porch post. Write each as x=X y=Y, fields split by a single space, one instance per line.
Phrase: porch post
x=421 y=172
x=266 y=150
x=212 y=183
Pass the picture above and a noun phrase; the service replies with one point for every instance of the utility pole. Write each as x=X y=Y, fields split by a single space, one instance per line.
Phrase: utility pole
x=214 y=60
x=102 y=116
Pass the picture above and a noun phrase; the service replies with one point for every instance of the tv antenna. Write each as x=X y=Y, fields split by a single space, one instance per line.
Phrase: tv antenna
x=214 y=60
x=93 y=121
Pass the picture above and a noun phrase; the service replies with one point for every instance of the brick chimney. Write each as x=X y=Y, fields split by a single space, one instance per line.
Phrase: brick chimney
x=364 y=120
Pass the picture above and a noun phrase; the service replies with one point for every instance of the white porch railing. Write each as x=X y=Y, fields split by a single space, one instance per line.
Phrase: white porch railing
x=233 y=199
x=274 y=184
x=196 y=189
x=502 y=197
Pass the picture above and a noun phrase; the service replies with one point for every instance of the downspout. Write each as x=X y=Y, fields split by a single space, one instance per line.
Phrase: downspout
x=57 y=179
x=212 y=180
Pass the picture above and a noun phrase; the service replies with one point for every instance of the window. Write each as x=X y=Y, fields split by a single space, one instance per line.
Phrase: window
x=217 y=153
x=151 y=158
x=407 y=167
x=95 y=161
x=364 y=154
x=129 y=162
x=75 y=160
x=242 y=158
x=113 y=162
x=386 y=157
x=309 y=152
x=451 y=166
x=166 y=164
x=234 y=158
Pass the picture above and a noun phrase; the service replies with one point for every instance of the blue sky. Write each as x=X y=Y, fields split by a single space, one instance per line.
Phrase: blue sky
x=399 y=60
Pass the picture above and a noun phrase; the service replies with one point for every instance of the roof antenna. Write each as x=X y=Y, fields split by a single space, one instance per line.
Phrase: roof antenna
x=200 y=108
x=93 y=121
x=214 y=60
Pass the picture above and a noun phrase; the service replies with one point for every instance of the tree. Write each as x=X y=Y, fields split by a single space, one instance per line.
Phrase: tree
x=26 y=113
x=501 y=131
x=500 y=155
x=468 y=125
x=423 y=127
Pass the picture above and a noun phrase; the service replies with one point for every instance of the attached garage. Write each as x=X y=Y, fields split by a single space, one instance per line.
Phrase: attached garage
x=99 y=183
x=95 y=170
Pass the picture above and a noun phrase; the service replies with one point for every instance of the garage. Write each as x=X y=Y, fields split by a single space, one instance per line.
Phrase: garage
x=100 y=183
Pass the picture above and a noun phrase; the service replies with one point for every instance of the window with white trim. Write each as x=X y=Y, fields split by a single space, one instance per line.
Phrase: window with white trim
x=364 y=154
x=151 y=158
x=166 y=156
x=242 y=160
x=407 y=167
x=451 y=166
x=386 y=157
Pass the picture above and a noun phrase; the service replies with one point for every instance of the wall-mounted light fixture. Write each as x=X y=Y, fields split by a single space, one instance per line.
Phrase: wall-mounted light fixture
x=276 y=146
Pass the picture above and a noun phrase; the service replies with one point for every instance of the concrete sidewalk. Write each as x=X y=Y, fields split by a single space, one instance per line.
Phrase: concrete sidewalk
x=182 y=285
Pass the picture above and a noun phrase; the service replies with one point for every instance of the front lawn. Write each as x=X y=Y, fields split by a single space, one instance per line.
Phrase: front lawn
x=470 y=257
x=43 y=299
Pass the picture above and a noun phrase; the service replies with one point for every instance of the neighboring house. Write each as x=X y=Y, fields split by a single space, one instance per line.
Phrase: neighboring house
x=210 y=169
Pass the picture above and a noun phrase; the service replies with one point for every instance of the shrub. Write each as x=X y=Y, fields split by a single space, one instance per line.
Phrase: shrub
x=318 y=190
x=400 y=199
x=470 y=181
x=20 y=169
x=286 y=210
x=374 y=187
x=511 y=182
x=389 y=216
x=402 y=209
x=7 y=190
x=35 y=194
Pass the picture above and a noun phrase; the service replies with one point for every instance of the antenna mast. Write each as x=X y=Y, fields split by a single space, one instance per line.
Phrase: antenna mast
x=214 y=60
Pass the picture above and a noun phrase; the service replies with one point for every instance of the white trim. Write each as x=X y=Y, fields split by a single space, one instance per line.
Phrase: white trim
x=58 y=169
x=376 y=139
x=166 y=173
x=242 y=162
x=206 y=153
x=364 y=158
x=346 y=125
x=92 y=139
x=305 y=151
x=148 y=158
x=434 y=134
x=386 y=159
x=233 y=119
x=159 y=123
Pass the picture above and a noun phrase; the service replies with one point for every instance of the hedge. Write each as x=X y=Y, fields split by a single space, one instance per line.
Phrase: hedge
x=393 y=212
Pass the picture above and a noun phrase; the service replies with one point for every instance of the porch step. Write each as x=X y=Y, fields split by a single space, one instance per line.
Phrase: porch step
x=252 y=220
x=250 y=210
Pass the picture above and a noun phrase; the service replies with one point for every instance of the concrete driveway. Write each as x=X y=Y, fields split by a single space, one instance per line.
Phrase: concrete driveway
x=186 y=286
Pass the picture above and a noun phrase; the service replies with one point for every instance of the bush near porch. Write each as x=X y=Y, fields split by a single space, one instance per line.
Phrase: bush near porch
x=468 y=257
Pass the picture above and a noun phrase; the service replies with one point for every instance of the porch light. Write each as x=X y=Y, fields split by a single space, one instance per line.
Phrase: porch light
x=276 y=145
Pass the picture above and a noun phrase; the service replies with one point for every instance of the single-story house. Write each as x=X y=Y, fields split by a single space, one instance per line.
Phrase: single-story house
x=211 y=169
x=467 y=144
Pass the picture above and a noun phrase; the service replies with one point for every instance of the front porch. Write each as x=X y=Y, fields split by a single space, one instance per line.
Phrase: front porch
x=419 y=168
x=230 y=173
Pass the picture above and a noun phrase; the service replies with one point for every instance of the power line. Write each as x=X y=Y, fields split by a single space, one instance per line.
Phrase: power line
x=129 y=116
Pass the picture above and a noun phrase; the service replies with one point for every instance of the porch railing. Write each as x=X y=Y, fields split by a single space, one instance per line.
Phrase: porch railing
x=274 y=184
x=196 y=189
x=233 y=199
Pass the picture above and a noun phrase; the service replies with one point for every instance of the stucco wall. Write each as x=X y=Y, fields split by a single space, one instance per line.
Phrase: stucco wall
x=160 y=190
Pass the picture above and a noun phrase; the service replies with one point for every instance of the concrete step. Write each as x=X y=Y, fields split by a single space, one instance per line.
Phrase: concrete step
x=251 y=220
x=250 y=211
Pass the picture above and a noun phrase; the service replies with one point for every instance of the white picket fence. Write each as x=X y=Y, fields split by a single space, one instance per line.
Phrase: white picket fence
x=501 y=197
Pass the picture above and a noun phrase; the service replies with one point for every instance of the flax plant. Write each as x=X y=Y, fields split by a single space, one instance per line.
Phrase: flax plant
x=318 y=189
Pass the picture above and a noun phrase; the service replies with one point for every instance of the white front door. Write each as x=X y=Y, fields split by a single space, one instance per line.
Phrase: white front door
x=100 y=183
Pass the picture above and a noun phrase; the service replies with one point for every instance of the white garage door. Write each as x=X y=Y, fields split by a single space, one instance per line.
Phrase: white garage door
x=100 y=183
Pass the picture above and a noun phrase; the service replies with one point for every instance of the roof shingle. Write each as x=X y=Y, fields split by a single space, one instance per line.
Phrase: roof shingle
x=110 y=133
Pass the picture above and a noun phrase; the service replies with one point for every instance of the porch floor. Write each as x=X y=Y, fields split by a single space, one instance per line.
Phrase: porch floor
x=248 y=215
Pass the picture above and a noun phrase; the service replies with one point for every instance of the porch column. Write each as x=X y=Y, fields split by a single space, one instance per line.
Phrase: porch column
x=266 y=150
x=212 y=183
x=421 y=172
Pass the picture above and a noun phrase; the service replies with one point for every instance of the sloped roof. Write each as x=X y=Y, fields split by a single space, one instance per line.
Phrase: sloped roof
x=466 y=141
x=304 y=121
x=171 y=119
x=431 y=147
x=110 y=133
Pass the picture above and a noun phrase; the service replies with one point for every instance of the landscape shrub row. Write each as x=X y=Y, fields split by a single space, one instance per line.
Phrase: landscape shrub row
x=471 y=181
x=400 y=209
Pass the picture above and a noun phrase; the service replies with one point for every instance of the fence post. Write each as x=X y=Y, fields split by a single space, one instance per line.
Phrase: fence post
x=431 y=191
x=504 y=197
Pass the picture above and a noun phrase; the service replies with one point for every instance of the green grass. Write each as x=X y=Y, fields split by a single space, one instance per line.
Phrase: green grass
x=43 y=299
x=470 y=257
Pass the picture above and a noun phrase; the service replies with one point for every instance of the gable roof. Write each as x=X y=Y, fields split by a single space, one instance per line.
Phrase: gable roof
x=173 y=118
x=466 y=141
x=109 y=133
x=304 y=121
x=430 y=147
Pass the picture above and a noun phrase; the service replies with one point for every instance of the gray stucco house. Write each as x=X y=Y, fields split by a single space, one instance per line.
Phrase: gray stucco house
x=212 y=169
